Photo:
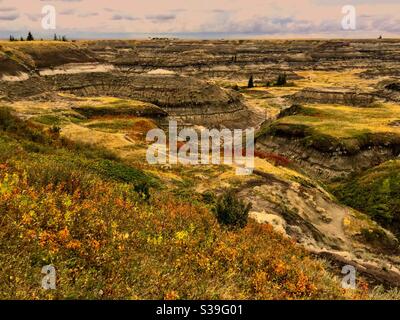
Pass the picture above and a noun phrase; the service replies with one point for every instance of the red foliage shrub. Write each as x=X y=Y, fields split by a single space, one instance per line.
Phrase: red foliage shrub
x=275 y=158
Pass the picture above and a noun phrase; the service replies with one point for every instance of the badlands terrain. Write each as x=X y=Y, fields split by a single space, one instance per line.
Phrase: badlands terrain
x=325 y=191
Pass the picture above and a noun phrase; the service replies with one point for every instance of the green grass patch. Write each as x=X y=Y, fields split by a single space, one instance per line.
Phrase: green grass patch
x=118 y=107
x=49 y=120
x=113 y=125
x=121 y=172
x=330 y=128
x=375 y=192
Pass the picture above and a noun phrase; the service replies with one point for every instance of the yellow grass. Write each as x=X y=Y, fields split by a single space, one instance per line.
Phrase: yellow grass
x=345 y=121
x=341 y=79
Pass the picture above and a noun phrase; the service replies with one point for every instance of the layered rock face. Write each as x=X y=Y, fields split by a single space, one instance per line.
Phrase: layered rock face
x=237 y=59
x=31 y=88
x=326 y=166
x=186 y=96
x=22 y=57
x=324 y=156
x=389 y=90
x=333 y=96
x=191 y=101
x=188 y=100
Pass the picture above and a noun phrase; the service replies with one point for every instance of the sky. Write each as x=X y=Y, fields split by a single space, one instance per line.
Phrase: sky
x=202 y=18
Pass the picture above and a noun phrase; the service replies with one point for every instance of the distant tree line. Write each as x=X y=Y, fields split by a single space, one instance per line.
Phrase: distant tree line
x=30 y=37
x=59 y=38
x=280 y=81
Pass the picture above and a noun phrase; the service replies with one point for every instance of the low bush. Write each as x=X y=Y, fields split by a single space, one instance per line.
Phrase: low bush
x=143 y=190
x=231 y=211
x=281 y=80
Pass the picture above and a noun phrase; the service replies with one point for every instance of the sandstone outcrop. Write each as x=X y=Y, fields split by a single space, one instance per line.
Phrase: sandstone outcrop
x=333 y=96
x=190 y=101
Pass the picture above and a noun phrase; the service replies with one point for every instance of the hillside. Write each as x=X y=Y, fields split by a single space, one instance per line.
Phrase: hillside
x=74 y=206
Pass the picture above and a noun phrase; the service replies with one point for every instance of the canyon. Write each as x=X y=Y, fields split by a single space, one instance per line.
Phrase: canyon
x=334 y=120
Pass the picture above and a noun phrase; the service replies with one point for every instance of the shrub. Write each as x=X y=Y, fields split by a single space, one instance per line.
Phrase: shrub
x=281 y=80
x=143 y=190
x=55 y=130
x=378 y=238
x=208 y=197
x=6 y=118
x=277 y=159
x=231 y=211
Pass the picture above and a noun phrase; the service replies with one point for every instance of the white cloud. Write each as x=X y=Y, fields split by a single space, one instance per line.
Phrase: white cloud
x=270 y=17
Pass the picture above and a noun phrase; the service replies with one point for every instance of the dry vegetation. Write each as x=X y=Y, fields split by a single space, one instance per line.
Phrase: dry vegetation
x=75 y=207
x=346 y=122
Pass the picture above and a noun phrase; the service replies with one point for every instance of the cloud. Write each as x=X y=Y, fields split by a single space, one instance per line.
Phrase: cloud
x=178 y=10
x=271 y=17
x=88 y=14
x=62 y=0
x=291 y=25
x=161 y=17
x=353 y=2
x=33 y=17
x=68 y=12
x=123 y=17
x=272 y=26
x=383 y=23
x=219 y=11
x=7 y=9
x=9 y=17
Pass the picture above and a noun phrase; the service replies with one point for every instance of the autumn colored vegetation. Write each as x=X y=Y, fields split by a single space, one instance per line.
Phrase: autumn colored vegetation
x=276 y=159
x=80 y=209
